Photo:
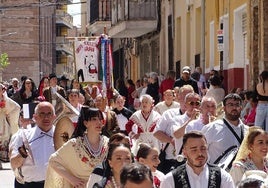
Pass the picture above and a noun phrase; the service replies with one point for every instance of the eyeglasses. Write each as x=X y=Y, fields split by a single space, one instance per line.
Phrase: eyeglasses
x=192 y=103
x=236 y=105
x=43 y=114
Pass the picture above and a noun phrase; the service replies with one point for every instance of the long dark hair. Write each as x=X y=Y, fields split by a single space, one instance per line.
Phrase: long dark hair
x=263 y=77
x=86 y=113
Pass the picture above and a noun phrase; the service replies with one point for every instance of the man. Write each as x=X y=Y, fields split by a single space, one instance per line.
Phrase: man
x=192 y=105
x=49 y=92
x=196 y=173
x=163 y=128
x=110 y=119
x=186 y=79
x=64 y=83
x=207 y=114
x=224 y=134
x=33 y=147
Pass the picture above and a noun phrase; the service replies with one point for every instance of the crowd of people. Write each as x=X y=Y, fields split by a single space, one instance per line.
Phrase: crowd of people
x=155 y=132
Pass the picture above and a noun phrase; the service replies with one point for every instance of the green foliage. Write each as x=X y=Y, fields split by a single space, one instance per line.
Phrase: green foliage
x=4 y=61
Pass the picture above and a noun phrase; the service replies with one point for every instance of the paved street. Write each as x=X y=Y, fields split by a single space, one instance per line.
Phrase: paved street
x=6 y=176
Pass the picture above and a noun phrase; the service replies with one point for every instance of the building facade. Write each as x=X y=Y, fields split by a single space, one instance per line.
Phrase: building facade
x=37 y=45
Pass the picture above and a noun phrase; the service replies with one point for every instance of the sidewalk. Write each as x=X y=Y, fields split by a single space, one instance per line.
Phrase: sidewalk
x=6 y=176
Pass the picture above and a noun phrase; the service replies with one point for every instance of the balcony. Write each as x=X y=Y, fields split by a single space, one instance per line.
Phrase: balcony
x=100 y=16
x=64 y=46
x=64 y=19
x=133 y=18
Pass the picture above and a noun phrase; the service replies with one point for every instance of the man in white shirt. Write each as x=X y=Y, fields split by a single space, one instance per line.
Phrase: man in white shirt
x=196 y=173
x=207 y=114
x=33 y=147
x=224 y=134
x=163 y=129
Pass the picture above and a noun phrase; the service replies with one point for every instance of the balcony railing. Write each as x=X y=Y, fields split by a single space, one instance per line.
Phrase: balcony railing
x=64 y=45
x=62 y=17
x=124 y=10
x=100 y=10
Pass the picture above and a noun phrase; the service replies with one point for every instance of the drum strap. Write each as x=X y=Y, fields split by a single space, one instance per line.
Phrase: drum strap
x=239 y=139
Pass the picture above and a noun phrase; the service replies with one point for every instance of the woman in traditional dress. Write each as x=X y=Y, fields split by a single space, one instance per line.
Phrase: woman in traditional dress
x=118 y=156
x=252 y=154
x=77 y=158
x=9 y=118
x=148 y=156
x=141 y=124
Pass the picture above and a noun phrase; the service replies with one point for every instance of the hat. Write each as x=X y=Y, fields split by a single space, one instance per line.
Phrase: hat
x=64 y=78
x=52 y=75
x=186 y=69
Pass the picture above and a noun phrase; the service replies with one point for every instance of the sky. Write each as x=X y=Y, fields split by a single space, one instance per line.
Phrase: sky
x=75 y=11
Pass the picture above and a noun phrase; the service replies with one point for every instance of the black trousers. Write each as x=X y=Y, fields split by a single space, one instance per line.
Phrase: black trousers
x=39 y=184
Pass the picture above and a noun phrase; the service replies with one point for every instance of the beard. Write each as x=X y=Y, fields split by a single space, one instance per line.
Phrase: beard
x=232 y=116
x=197 y=164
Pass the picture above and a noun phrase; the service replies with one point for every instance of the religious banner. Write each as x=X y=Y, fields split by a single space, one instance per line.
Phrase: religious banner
x=87 y=60
x=94 y=62
x=106 y=66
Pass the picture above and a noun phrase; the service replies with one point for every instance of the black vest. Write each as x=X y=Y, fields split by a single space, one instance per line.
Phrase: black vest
x=181 y=178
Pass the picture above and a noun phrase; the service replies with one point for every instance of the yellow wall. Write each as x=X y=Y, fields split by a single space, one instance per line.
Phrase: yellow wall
x=215 y=9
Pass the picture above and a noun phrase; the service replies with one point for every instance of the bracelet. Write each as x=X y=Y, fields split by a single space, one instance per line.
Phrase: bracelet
x=22 y=153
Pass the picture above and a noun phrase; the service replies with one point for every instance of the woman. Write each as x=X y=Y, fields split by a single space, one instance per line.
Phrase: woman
x=168 y=102
x=130 y=89
x=261 y=118
x=44 y=82
x=141 y=124
x=215 y=90
x=153 y=87
x=118 y=156
x=122 y=113
x=76 y=159
x=148 y=155
x=9 y=116
x=27 y=93
x=103 y=170
x=252 y=154
x=136 y=175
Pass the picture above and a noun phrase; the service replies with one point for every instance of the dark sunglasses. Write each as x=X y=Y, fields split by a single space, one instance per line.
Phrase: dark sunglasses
x=192 y=103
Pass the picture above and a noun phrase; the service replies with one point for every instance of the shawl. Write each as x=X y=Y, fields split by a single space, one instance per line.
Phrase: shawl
x=74 y=157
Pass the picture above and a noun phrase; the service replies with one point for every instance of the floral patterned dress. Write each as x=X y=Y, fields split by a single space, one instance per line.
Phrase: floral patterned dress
x=240 y=167
x=75 y=158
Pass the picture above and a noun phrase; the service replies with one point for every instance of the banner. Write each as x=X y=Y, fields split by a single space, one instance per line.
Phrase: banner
x=87 y=60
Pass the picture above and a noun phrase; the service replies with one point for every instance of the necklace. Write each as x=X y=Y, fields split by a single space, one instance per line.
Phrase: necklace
x=92 y=151
x=114 y=183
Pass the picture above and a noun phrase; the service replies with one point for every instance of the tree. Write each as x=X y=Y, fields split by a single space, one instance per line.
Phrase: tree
x=4 y=61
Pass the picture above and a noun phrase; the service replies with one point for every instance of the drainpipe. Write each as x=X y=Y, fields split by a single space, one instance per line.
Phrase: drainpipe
x=203 y=45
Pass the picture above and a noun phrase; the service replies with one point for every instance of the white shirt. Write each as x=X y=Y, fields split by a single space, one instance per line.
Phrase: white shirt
x=161 y=107
x=177 y=123
x=42 y=146
x=164 y=125
x=198 y=181
x=122 y=121
x=220 y=138
x=195 y=125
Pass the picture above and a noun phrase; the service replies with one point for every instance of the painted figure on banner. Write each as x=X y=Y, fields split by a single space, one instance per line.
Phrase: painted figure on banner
x=87 y=60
